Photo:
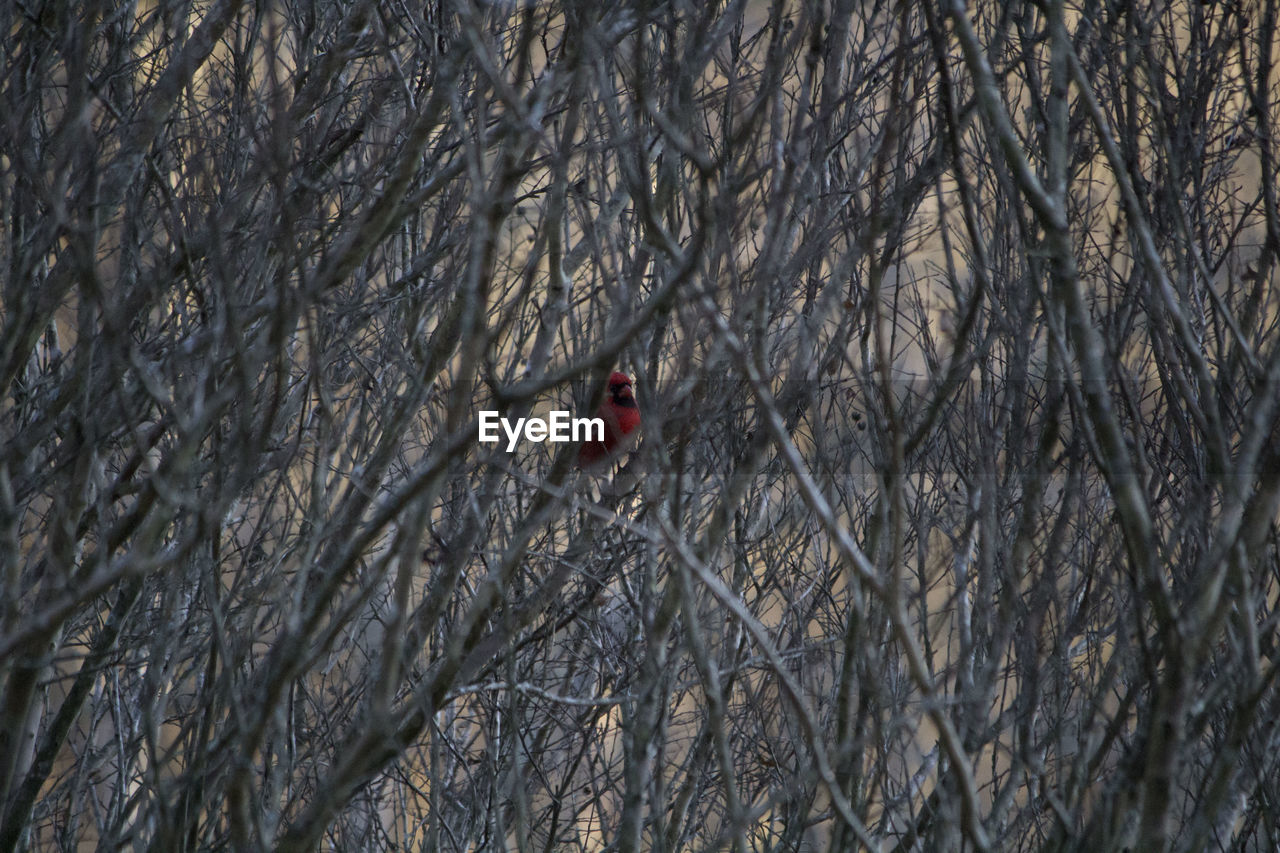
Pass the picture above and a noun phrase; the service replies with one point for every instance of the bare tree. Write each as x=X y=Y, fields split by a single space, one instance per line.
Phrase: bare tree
x=952 y=525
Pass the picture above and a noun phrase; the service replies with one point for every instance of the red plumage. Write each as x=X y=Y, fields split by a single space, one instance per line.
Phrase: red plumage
x=621 y=418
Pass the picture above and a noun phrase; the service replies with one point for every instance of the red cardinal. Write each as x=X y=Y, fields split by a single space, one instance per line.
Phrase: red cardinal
x=621 y=419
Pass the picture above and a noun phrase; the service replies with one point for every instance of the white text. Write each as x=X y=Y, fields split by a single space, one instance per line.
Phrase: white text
x=559 y=427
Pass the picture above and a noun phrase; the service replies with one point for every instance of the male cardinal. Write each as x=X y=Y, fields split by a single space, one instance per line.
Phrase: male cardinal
x=621 y=421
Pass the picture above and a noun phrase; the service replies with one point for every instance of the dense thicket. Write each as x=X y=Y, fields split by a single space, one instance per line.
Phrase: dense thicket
x=954 y=333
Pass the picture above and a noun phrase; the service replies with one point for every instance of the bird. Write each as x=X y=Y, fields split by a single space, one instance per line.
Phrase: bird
x=621 y=418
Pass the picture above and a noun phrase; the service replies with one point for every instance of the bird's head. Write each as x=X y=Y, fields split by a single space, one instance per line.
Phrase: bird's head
x=620 y=390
